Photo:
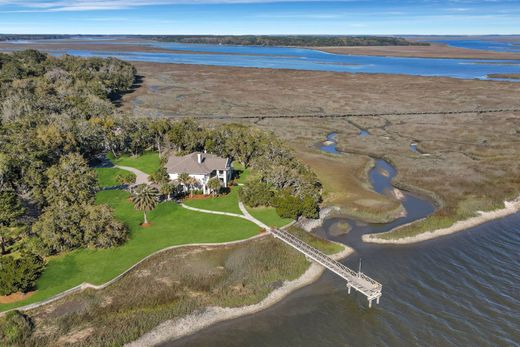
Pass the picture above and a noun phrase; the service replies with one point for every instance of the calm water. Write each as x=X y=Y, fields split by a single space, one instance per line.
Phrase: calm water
x=303 y=59
x=329 y=145
x=459 y=290
x=487 y=45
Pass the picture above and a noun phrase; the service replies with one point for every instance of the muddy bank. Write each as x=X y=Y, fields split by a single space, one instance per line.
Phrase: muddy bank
x=309 y=224
x=177 y=328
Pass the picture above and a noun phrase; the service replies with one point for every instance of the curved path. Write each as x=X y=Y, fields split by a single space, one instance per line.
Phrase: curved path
x=86 y=285
x=245 y=215
x=140 y=177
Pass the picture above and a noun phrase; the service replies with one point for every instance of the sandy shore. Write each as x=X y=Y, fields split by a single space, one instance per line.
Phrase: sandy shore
x=309 y=224
x=177 y=328
x=510 y=207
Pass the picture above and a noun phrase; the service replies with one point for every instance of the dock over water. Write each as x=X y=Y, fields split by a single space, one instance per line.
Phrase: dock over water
x=357 y=280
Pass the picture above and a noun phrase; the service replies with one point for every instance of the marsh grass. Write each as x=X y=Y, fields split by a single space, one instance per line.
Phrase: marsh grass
x=169 y=285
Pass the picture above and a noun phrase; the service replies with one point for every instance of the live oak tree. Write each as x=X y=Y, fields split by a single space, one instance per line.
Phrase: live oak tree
x=71 y=181
x=145 y=198
x=67 y=227
x=10 y=210
x=51 y=111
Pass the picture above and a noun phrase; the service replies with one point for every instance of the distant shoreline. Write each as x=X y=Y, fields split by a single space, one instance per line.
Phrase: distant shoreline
x=435 y=50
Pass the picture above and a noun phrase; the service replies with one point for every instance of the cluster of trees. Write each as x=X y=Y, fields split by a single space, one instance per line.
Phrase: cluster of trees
x=11 y=37
x=292 y=40
x=56 y=117
x=33 y=82
x=280 y=180
x=48 y=133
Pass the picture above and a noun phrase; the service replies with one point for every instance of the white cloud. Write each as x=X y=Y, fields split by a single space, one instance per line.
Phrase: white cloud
x=93 y=5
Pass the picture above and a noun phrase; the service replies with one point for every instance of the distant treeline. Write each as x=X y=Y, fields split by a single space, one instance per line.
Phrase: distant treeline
x=301 y=40
x=12 y=37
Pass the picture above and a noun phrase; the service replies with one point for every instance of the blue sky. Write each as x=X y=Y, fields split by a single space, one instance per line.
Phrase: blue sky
x=260 y=17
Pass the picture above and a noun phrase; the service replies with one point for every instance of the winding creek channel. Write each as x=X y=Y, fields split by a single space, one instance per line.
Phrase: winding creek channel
x=460 y=289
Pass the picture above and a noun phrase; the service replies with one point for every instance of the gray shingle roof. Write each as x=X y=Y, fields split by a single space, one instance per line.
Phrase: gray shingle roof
x=190 y=165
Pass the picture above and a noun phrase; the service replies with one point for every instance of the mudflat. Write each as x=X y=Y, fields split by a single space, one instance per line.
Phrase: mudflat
x=435 y=50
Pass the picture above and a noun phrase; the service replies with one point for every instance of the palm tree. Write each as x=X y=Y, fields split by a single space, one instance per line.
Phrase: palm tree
x=145 y=199
x=167 y=188
x=214 y=185
x=192 y=182
x=185 y=179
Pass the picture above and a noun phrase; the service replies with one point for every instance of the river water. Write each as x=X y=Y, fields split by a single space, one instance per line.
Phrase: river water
x=298 y=58
x=458 y=290
x=487 y=45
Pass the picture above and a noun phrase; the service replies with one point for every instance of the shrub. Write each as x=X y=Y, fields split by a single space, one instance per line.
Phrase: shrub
x=160 y=176
x=256 y=193
x=125 y=178
x=19 y=274
x=290 y=206
x=15 y=327
x=287 y=206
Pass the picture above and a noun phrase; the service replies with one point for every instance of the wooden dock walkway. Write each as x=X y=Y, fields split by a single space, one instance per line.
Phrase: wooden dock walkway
x=357 y=280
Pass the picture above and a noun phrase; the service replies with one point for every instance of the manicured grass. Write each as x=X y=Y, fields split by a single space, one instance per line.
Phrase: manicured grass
x=107 y=176
x=171 y=225
x=148 y=162
x=269 y=216
x=223 y=203
x=241 y=171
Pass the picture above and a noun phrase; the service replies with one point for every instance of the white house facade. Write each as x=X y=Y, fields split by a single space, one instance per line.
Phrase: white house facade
x=202 y=167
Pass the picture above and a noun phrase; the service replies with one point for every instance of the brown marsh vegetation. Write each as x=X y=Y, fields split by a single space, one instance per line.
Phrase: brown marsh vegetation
x=465 y=162
x=170 y=285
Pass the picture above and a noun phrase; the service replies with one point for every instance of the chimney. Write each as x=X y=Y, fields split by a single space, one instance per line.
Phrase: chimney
x=199 y=158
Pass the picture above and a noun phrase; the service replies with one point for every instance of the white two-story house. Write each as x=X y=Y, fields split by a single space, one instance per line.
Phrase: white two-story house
x=202 y=167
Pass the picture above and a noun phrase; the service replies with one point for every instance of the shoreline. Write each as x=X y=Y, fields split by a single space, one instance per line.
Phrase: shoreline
x=188 y=325
x=309 y=225
x=510 y=207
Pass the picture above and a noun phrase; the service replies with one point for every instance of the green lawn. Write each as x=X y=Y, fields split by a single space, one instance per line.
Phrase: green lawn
x=107 y=176
x=223 y=203
x=171 y=225
x=268 y=216
x=243 y=173
x=229 y=203
x=148 y=162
